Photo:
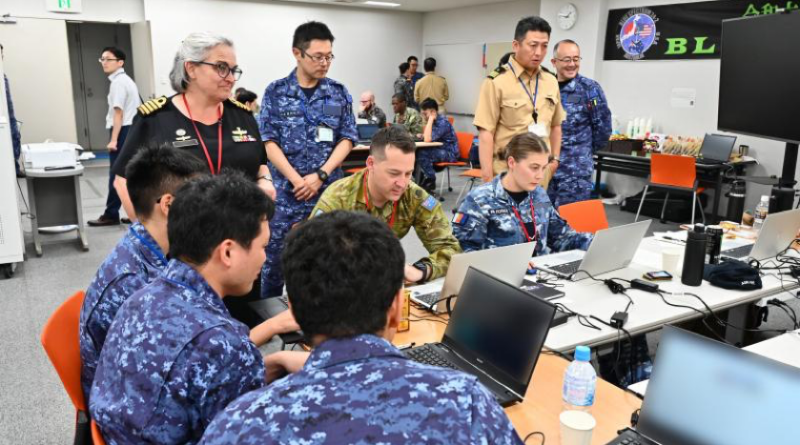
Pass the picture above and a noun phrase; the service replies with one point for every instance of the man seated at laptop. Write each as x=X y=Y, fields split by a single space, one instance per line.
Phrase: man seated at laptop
x=154 y=175
x=174 y=357
x=344 y=275
x=437 y=129
x=513 y=209
x=370 y=111
x=385 y=190
x=405 y=115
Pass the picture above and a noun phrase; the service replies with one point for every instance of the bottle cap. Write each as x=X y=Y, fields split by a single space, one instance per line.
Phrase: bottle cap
x=699 y=228
x=765 y=197
x=583 y=353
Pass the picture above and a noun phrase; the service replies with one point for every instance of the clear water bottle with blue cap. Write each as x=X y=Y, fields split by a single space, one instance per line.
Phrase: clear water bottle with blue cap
x=580 y=381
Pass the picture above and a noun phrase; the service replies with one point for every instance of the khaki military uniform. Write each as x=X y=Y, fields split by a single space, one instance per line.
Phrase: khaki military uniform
x=506 y=110
x=433 y=86
x=416 y=208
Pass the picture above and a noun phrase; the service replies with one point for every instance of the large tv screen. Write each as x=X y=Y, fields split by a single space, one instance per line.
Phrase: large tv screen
x=759 y=87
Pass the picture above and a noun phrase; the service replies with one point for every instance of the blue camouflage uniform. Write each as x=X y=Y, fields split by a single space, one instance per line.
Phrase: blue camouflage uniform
x=290 y=120
x=12 y=118
x=362 y=390
x=172 y=360
x=486 y=219
x=135 y=262
x=586 y=130
x=442 y=132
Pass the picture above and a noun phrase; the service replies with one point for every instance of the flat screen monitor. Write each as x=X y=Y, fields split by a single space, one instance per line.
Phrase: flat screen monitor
x=759 y=90
x=703 y=392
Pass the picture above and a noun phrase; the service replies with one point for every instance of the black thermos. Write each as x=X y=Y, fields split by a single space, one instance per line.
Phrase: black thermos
x=694 y=257
x=736 y=200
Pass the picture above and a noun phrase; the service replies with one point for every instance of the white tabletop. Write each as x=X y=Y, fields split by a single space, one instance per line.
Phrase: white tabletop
x=42 y=173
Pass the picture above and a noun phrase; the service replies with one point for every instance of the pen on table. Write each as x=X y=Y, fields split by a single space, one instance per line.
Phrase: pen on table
x=406 y=346
x=673 y=239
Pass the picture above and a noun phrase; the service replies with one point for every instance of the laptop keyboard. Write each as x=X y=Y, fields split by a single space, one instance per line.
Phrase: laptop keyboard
x=285 y=300
x=429 y=356
x=567 y=268
x=738 y=252
x=630 y=437
x=428 y=299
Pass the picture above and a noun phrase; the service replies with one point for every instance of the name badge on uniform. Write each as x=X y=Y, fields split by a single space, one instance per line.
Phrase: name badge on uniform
x=538 y=129
x=324 y=134
x=332 y=110
x=574 y=99
x=498 y=212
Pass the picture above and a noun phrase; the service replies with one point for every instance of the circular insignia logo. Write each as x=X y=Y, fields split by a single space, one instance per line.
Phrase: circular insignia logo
x=637 y=33
x=180 y=132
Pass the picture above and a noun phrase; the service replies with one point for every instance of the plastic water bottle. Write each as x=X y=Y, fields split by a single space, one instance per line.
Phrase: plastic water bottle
x=580 y=381
x=761 y=213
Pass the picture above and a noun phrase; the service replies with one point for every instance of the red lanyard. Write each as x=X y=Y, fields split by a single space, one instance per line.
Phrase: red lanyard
x=200 y=138
x=522 y=223
x=366 y=201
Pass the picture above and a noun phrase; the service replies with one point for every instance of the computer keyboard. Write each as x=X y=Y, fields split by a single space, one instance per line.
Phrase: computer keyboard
x=738 y=252
x=567 y=268
x=429 y=299
x=429 y=356
x=630 y=437
x=285 y=300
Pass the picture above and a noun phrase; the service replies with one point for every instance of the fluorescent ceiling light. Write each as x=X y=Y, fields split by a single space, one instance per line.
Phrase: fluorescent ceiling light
x=389 y=4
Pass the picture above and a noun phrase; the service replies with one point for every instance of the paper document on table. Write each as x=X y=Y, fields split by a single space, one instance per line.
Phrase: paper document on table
x=675 y=237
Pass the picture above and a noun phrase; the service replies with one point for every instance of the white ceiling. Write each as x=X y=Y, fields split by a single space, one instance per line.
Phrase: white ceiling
x=407 y=5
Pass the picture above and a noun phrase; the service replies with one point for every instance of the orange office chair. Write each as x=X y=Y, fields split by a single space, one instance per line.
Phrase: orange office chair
x=673 y=173
x=585 y=216
x=354 y=170
x=97 y=438
x=451 y=119
x=464 y=144
x=60 y=341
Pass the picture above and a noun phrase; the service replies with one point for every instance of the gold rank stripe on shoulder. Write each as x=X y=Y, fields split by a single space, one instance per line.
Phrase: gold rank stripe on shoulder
x=239 y=104
x=152 y=105
x=496 y=73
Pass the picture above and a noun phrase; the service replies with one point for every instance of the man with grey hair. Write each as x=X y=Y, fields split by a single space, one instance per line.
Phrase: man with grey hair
x=585 y=130
x=370 y=111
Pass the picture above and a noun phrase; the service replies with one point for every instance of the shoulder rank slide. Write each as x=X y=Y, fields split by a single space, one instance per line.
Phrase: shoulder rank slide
x=498 y=71
x=239 y=104
x=152 y=105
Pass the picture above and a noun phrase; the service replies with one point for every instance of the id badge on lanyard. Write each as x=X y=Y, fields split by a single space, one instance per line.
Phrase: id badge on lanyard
x=324 y=134
x=535 y=128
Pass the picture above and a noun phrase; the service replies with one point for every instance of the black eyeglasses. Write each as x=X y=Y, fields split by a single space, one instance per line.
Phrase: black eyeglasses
x=319 y=59
x=223 y=69
x=574 y=60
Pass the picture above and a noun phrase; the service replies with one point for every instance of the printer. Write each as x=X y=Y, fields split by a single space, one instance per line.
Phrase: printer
x=50 y=155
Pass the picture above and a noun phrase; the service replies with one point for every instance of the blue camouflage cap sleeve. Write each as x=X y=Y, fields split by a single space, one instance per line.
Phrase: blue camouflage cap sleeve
x=347 y=130
x=266 y=117
x=601 y=119
x=470 y=224
x=490 y=424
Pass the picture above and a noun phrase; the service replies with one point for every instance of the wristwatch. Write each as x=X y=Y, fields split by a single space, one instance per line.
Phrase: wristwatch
x=423 y=267
x=322 y=175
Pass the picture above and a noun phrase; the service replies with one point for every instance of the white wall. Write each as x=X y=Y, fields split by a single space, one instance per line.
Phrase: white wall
x=369 y=44
x=643 y=88
x=474 y=25
x=125 y=11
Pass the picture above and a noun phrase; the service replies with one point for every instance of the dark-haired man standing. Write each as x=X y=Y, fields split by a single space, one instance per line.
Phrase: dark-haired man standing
x=344 y=274
x=308 y=126
x=154 y=175
x=174 y=357
x=123 y=99
x=385 y=190
x=432 y=86
x=520 y=97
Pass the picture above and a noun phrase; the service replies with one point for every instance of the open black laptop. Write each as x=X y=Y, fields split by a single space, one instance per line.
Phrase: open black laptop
x=366 y=132
x=271 y=307
x=496 y=333
x=703 y=392
x=716 y=149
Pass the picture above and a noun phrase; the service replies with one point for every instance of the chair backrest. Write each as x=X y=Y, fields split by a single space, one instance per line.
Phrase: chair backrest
x=673 y=170
x=585 y=216
x=451 y=119
x=464 y=143
x=60 y=341
x=97 y=437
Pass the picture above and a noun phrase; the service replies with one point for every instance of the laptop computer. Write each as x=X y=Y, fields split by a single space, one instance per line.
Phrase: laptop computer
x=508 y=263
x=365 y=133
x=716 y=149
x=271 y=307
x=726 y=396
x=778 y=231
x=495 y=333
x=611 y=249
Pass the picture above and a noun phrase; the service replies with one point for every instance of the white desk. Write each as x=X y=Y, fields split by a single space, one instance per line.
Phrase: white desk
x=55 y=200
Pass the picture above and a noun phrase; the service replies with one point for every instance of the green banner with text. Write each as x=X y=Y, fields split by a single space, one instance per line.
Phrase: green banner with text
x=680 y=31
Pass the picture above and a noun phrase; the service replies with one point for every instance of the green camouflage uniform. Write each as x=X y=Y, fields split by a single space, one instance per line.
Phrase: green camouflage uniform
x=412 y=121
x=416 y=208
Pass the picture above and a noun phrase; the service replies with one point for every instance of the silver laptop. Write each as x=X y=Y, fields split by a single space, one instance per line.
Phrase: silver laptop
x=507 y=263
x=778 y=231
x=611 y=249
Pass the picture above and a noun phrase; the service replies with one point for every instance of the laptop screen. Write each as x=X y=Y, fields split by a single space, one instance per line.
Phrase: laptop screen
x=497 y=323
x=703 y=392
x=366 y=131
x=717 y=147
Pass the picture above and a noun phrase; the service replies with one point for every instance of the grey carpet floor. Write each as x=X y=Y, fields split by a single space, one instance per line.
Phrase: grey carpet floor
x=34 y=408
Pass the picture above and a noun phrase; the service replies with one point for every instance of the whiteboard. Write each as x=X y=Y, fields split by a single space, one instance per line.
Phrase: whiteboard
x=461 y=64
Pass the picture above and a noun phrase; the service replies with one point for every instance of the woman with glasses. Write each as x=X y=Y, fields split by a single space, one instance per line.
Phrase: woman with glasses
x=201 y=119
x=513 y=209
